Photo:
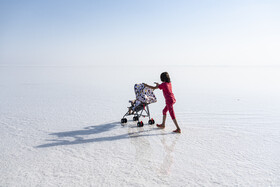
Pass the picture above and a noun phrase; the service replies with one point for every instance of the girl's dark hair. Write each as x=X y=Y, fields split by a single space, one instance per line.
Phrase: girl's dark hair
x=164 y=77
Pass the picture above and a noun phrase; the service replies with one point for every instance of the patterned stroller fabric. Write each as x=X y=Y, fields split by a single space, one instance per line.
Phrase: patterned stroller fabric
x=140 y=106
x=144 y=95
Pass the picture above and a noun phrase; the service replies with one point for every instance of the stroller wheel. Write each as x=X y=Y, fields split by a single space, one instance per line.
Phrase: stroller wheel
x=151 y=121
x=140 y=124
x=135 y=118
x=123 y=120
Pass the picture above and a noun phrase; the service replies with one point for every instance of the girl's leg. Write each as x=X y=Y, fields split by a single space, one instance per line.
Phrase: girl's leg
x=172 y=114
x=163 y=117
x=163 y=120
x=176 y=124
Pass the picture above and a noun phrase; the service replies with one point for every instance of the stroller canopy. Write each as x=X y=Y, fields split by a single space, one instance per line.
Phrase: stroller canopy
x=144 y=94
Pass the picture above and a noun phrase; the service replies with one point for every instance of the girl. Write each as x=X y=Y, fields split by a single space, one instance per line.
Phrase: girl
x=170 y=100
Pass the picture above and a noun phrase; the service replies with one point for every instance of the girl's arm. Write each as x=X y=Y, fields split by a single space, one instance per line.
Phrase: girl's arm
x=152 y=87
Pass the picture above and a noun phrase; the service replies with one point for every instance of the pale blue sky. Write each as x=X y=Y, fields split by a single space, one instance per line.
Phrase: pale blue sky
x=154 y=32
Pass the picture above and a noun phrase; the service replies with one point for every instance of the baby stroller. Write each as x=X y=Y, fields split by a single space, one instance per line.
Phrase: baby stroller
x=140 y=106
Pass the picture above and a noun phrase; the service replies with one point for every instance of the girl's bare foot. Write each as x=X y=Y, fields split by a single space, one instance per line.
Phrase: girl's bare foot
x=161 y=126
x=177 y=131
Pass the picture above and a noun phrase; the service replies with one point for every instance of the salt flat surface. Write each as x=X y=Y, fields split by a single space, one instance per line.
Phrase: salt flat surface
x=60 y=126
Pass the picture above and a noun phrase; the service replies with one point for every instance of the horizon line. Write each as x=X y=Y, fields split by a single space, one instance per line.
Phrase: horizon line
x=98 y=65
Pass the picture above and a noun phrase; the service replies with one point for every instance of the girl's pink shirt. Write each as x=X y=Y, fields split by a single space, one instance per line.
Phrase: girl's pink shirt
x=166 y=87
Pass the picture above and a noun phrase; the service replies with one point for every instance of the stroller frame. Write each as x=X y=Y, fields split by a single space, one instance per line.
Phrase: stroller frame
x=141 y=110
x=139 y=107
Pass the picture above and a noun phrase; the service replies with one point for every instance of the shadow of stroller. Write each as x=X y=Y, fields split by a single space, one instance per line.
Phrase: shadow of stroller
x=81 y=136
x=78 y=135
x=96 y=129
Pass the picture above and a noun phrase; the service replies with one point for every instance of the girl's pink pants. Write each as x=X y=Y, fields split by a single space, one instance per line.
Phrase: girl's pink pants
x=169 y=107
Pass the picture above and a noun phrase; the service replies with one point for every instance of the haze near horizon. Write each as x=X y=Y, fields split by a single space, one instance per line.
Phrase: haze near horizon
x=140 y=33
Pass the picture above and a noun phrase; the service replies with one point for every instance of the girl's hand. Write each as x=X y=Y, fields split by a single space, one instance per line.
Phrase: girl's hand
x=156 y=84
x=148 y=86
